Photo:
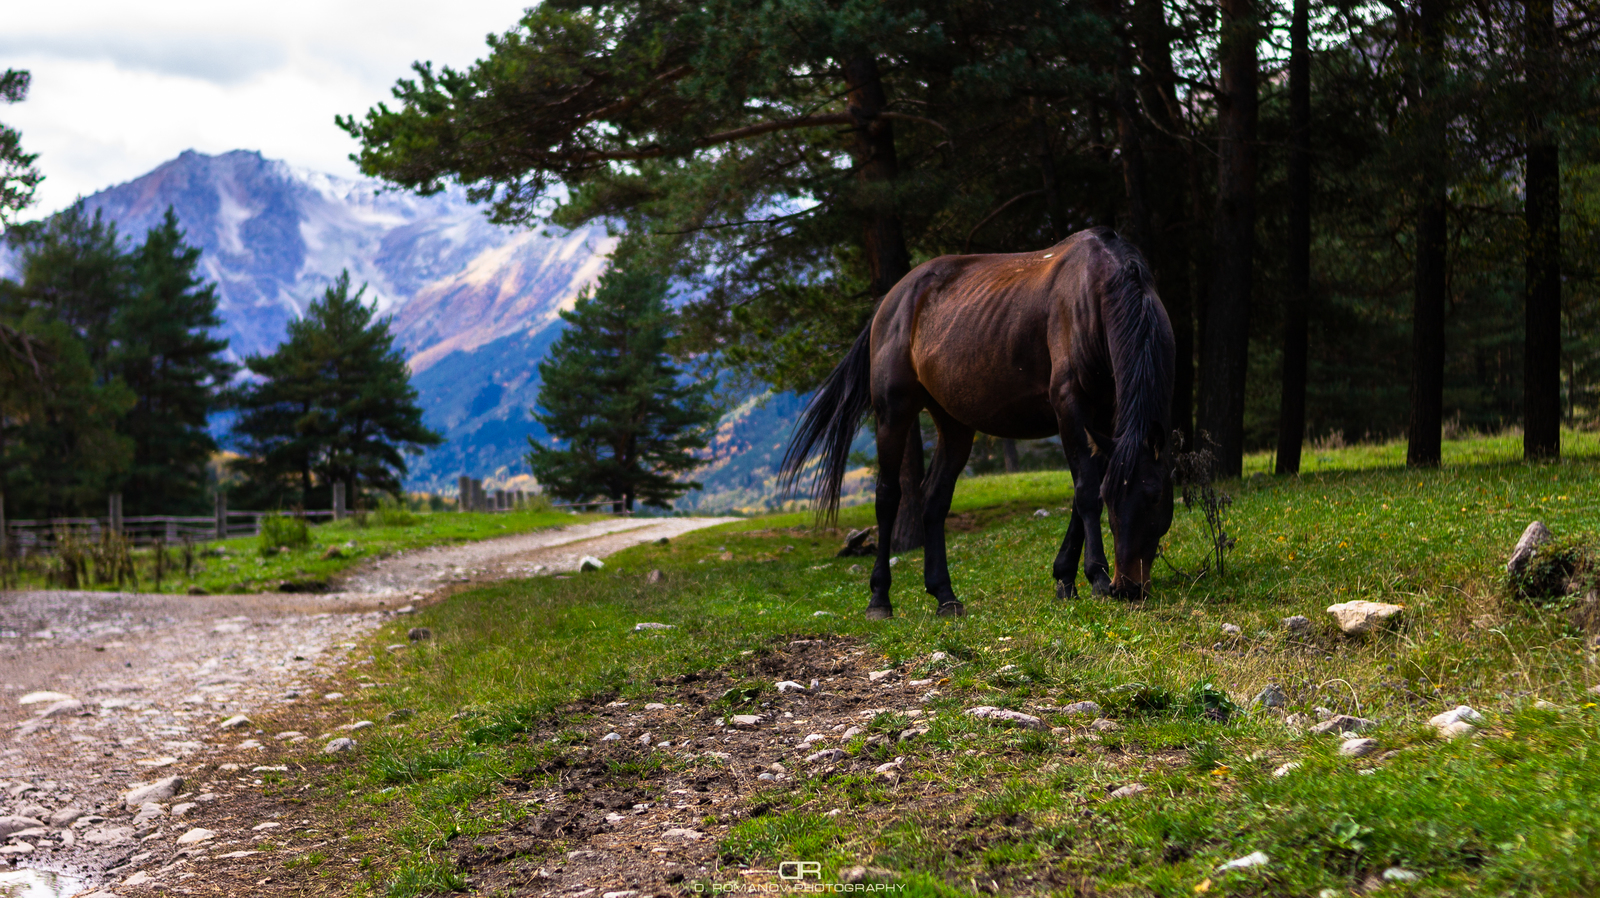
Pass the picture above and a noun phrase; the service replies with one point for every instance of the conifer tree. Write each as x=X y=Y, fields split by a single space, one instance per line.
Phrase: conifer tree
x=623 y=420
x=335 y=401
x=18 y=176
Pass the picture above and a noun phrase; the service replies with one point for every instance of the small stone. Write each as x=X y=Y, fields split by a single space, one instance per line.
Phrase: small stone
x=777 y=768
x=1271 y=697
x=1536 y=535
x=68 y=707
x=822 y=614
x=1286 y=769
x=196 y=835
x=138 y=879
x=1358 y=748
x=332 y=696
x=1041 y=513
x=43 y=698
x=1128 y=791
x=65 y=817
x=655 y=706
x=655 y=576
x=611 y=737
x=766 y=776
x=790 y=686
x=936 y=657
x=234 y=722
x=826 y=756
x=987 y=712
x=876 y=675
x=182 y=808
x=1360 y=617
x=1457 y=729
x=396 y=648
x=1253 y=859
x=682 y=835
x=1231 y=630
x=9 y=826
x=419 y=634
x=1088 y=709
x=1343 y=723
x=160 y=790
x=651 y=625
x=1400 y=874
x=1455 y=715
x=339 y=746
x=645 y=739
x=859 y=875
x=1103 y=725
x=1297 y=624
x=590 y=563
x=890 y=768
x=358 y=725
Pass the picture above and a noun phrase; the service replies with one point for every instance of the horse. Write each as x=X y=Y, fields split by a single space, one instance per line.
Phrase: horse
x=1071 y=340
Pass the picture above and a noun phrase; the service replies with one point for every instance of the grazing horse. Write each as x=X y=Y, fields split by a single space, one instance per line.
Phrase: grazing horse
x=1069 y=340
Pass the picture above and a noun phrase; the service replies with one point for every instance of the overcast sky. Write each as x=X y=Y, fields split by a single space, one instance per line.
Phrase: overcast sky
x=120 y=87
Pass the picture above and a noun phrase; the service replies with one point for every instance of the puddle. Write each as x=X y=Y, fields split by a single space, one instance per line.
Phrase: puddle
x=26 y=883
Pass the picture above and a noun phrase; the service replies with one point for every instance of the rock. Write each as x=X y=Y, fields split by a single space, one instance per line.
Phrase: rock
x=358 y=725
x=19 y=848
x=851 y=733
x=1400 y=874
x=16 y=823
x=183 y=808
x=43 y=698
x=645 y=739
x=890 y=768
x=109 y=835
x=332 y=696
x=396 y=648
x=936 y=657
x=651 y=625
x=339 y=746
x=859 y=544
x=1128 y=791
x=1536 y=535
x=590 y=563
x=655 y=576
x=1090 y=709
x=1361 y=617
x=987 y=712
x=611 y=737
x=399 y=714
x=1455 y=715
x=1230 y=630
x=876 y=675
x=1298 y=624
x=826 y=756
x=1041 y=513
x=1271 y=697
x=196 y=835
x=160 y=790
x=858 y=875
x=1343 y=723
x=822 y=614
x=234 y=722
x=745 y=721
x=419 y=634
x=1253 y=859
x=65 y=817
x=655 y=706
x=38 y=811
x=1286 y=769
x=1457 y=729
x=790 y=686
x=68 y=707
x=682 y=835
x=1358 y=748
x=1103 y=725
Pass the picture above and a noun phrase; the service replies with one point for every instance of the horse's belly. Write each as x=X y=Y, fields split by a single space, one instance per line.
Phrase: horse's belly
x=1027 y=418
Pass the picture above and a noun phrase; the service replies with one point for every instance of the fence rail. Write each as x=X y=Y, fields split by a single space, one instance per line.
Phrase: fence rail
x=41 y=535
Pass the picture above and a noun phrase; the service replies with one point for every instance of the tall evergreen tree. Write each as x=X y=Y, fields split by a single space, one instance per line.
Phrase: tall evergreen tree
x=335 y=401
x=623 y=421
x=166 y=355
x=18 y=176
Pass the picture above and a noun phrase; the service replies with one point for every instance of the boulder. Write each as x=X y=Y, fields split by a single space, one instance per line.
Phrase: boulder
x=1361 y=617
x=1536 y=535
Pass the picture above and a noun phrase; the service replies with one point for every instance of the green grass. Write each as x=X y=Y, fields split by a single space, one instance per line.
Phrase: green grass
x=239 y=565
x=1515 y=812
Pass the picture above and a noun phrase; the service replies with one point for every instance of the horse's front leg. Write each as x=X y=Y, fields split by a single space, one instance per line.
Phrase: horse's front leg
x=949 y=457
x=1086 y=506
x=1065 y=569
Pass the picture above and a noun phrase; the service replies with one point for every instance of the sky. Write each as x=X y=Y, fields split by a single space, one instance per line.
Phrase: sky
x=120 y=87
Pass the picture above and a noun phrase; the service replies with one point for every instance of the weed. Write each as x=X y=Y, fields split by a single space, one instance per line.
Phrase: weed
x=279 y=531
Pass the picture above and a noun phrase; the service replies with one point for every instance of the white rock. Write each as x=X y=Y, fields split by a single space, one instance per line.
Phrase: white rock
x=1041 y=513
x=1456 y=730
x=655 y=706
x=822 y=614
x=790 y=686
x=651 y=625
x=179 y=810
x=682 y=835
x=1536 y=535
x=17 y=823
x=265 y=826
x=590 y=563
x=611 y=737
x=1286 y=769
x=1090 y=709
x=43 y=698
x=1253 y=859
x=339 y=746
x=196 y=835
x=1128 y=791
x=987 y=712
x=237 y=720
x=67 y=707
x=160 y=790
x=1361 y=617
x=137 y=879
x=889 y=768
x=1359 y=747
x=876 y=675
x=745 y=721
x=826 y=756
x=1454 y=715
x=937 y=657
x=1231 y=630
x=65 y=817
x=1400 y=874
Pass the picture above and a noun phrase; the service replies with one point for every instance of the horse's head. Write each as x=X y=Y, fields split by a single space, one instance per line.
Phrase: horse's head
x=1138 y=500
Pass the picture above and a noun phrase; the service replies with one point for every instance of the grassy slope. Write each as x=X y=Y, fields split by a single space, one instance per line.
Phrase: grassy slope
x=1514 y=812
x=238 y=565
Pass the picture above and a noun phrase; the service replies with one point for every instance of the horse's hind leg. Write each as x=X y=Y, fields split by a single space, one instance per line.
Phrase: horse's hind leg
x=955 y=444
x=897 y=416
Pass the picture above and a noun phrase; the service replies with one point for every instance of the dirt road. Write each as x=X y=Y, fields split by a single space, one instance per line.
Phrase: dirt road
x=99 y=691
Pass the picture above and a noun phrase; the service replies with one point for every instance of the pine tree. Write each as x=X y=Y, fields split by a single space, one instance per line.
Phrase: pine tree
x=624 y=423
x=164 y=352
x=335 y=401
x=18 y=176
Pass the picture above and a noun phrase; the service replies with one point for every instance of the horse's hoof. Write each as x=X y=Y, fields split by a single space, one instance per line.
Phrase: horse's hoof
x=1065 y=590
x=1102 y=587
x=879 y=612
x=952 y=609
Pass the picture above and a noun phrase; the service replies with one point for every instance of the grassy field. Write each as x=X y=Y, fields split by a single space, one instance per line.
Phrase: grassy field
x=1514 y=811
x=242 y=565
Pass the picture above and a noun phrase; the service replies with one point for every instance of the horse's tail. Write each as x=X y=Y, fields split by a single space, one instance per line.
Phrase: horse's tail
x=1140 y=341
x=829 y=423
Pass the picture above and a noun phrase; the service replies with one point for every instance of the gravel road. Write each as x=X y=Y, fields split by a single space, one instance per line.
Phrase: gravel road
x=100 y=691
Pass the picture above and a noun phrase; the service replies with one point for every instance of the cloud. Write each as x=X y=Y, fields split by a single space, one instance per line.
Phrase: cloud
x=223 y=59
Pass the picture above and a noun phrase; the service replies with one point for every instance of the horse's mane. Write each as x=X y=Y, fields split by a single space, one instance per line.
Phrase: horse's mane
x=1139 y=340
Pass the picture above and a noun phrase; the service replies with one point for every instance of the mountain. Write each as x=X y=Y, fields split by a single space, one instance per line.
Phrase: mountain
x=475 y=305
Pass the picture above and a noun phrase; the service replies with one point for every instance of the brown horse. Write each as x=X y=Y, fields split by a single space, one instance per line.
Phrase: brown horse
x=1069 y=340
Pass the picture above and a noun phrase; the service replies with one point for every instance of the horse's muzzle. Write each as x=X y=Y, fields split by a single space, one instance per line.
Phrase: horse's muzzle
x=1132 y=580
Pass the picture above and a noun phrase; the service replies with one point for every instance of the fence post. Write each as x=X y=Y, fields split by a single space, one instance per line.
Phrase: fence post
x=338 y=501
x=222 y=515
x=115 y=513
x=499 y=500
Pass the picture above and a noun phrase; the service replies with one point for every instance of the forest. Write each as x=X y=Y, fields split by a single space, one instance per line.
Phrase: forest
x=1366 y=219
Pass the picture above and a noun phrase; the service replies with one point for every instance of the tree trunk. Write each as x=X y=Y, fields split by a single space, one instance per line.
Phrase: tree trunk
x=884 y=246
x=1226 y=336
x=1541 y=377
x=1292 y=403
x=1168 y=199
x=1134 y=176
x=1047 y=174
x=1427 y=316
x=1008 y=451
